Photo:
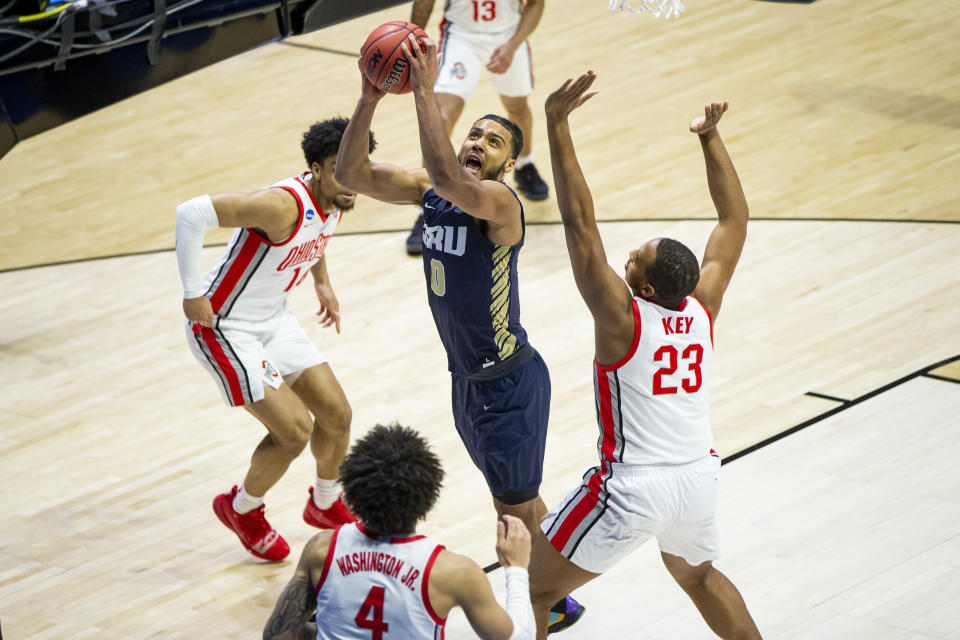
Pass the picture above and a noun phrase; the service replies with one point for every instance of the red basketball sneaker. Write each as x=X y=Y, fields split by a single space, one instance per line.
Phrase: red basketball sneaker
x=255 y=533
x=330 y=518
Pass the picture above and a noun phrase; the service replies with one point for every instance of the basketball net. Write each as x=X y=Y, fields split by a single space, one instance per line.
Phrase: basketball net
x=666 y=8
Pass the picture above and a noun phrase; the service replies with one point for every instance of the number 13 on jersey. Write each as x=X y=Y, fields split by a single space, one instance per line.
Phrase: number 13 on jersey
x=484 y=10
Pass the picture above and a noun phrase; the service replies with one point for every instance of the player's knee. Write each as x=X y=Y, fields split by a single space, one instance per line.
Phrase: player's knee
x=335 y=418
x=295 y=437
x=686 y=575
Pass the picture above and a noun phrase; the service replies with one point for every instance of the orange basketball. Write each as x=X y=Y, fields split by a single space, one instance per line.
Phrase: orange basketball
x=382 y=59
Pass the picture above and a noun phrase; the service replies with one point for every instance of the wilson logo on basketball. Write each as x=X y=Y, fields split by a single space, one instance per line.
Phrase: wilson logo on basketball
x=306 y=252
x=399 y=66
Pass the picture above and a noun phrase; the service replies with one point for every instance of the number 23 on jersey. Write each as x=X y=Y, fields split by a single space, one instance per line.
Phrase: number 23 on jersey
x=667 y=355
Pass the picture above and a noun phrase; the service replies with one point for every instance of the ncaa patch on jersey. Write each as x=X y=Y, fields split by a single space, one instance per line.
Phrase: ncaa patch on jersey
x=309 y=214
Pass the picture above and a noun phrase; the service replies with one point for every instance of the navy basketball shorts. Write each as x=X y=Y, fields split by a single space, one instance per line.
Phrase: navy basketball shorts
x=503 y=423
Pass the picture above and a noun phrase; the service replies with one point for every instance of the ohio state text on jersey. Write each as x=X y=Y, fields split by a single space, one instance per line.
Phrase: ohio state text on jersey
x=255 y=275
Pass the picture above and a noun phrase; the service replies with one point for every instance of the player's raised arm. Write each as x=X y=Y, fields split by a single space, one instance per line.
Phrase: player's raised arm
x=290 y=619
x=606 y=294
x=726 y=241
x=486 y=199
x=383 y=181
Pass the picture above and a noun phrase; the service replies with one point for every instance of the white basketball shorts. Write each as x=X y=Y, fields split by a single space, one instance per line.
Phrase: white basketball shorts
x=465 y=57
x=618 y=507
x=244 y=356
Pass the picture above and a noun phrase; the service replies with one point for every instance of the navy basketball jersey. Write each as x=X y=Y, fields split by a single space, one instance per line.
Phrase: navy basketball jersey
x=472 y=288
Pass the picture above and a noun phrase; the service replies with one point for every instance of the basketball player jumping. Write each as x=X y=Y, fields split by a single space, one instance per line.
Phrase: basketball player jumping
x=474 y=229
x=376 y=578
x=240 y=328
x=653 y=332
x=491 y=35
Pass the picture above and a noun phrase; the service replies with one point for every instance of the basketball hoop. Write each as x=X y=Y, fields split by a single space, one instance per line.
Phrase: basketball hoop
x=666 y=8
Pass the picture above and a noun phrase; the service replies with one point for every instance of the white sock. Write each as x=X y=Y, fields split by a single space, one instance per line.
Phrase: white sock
x=325 y=492
x=243 y=502
x=523 y=161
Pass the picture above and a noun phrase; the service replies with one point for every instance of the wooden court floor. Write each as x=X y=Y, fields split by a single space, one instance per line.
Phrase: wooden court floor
x=844 y=127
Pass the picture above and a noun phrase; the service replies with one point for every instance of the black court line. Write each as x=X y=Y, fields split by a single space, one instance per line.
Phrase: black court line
x=944 y=378
x=814 y=394
x=544 y=223
x=925 y=372
x=832 y=412
x=314 y=47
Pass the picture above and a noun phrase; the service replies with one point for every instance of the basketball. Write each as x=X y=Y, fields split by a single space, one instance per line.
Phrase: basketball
x=382 y=59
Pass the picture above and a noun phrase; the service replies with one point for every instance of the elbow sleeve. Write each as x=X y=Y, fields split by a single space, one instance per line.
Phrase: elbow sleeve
x=193 y=218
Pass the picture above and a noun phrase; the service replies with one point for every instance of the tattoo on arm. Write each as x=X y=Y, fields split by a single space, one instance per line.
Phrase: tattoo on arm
x=293 y=608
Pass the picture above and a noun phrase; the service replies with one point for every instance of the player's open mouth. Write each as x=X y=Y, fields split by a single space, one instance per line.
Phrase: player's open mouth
x=472 y=163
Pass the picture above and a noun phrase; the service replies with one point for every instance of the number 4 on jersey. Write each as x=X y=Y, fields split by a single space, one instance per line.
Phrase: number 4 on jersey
x=373 y=604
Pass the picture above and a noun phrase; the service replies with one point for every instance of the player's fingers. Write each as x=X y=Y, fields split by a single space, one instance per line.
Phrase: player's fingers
x=587 y=96
x=513 y=525
x=501 y=532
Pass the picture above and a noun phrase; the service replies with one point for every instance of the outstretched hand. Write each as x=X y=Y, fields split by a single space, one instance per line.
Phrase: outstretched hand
x=424 y=65
x=569 y=96
x=711 y=116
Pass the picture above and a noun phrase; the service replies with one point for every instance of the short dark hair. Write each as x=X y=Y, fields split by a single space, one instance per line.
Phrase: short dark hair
x=322 y=139
x=674 y=273
x=516 y=143
x=391 y=479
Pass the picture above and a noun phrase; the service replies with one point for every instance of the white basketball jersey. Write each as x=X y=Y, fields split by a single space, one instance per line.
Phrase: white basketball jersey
x=376 y=587
x=483 y=16
x=255 y=276
x=653 y=407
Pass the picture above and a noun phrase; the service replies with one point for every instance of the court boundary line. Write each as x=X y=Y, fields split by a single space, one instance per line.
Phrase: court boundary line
x=823 y=396
x=314 y=47
x=924 y=372
x=543 y=223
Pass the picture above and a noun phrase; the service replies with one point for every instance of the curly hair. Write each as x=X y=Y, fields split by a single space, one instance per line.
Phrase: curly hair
x=322 y=139
x=391 y=479
x=516 y=135
x=674 y=273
